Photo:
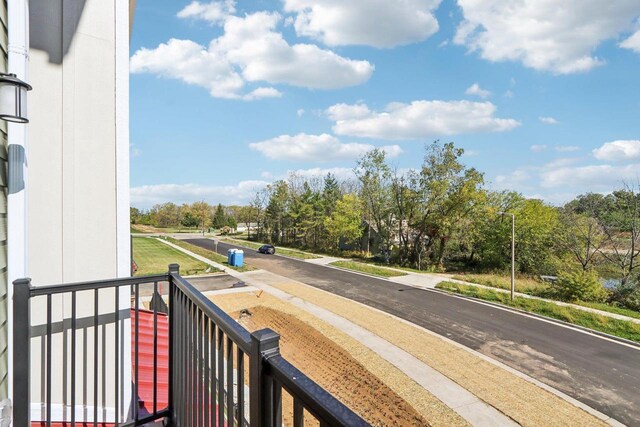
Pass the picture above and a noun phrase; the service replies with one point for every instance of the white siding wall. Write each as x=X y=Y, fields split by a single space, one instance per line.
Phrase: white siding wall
x=78 y=204
x=3 y=215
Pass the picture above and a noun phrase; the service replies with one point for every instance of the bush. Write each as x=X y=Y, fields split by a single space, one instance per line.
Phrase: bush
x=579 y=286
x=628 y=295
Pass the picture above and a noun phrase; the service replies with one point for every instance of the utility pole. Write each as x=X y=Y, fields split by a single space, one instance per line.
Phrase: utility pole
x=513 y=252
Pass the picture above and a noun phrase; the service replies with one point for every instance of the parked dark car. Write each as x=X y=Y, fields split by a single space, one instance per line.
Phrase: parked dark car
x=267 y=249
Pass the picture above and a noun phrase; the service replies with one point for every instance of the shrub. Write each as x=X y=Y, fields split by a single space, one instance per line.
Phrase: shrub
x=579 y=286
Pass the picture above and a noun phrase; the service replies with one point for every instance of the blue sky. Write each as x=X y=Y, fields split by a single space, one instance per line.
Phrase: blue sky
x=228 y=96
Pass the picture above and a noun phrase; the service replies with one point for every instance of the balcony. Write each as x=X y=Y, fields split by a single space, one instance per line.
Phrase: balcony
x=152 y=351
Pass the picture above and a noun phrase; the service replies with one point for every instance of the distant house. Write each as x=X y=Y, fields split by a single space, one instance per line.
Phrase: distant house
x=243 y=227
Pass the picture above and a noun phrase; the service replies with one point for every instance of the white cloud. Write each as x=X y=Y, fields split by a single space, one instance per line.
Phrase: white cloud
x=193 y=64
x=378 y=23
x=250 y=50
x=538 y=148
x=632 y=42
x=618 y=151
x=548 y=120
x=339 y=173
x=589 y=178
x=315 y=148
x=420 y=119
x=476 y=90
x=300 y=112
x=146 y=196
x=347 y=111
x=262 y=92
x=214 y=12
x=544 y=35
x=566 y=148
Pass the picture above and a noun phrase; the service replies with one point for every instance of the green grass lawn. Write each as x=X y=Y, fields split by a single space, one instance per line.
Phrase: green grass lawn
x=154 y=257
x=620 y=328
x=367 y=268
x=279 y=250
x=213 y=256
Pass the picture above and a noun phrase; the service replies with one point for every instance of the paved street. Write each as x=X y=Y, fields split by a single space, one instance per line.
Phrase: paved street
x=600 y=373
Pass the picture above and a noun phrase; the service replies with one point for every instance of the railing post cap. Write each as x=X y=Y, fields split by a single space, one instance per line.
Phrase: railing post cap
x=23 y=281
x=266 y=335
x=174 y=268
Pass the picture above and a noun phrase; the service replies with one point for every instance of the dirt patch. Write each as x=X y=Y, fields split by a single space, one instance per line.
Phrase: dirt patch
x=391 y=397
x=334 y=369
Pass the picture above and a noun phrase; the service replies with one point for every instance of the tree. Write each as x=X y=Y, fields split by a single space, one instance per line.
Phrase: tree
x=345 y=221
x=623 y=232
x=582 y=236
x=219 y=217
x=276 y=215
x=201 y=211
x=374 y=175
x=166 y=215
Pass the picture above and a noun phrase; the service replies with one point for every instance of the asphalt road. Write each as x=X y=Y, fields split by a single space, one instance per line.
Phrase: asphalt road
x=602 y=374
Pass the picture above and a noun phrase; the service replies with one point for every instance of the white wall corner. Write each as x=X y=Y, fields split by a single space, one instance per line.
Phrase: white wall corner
x=123 y=247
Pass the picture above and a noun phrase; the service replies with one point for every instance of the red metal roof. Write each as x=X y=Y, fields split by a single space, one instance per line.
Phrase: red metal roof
x=145 y=359
x=145 y=362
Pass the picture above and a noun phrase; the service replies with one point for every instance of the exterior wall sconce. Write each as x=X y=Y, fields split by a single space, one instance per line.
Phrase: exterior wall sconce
x=13 y=98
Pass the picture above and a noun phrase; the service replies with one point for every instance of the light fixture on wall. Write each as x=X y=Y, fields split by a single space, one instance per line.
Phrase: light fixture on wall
x=13 y=98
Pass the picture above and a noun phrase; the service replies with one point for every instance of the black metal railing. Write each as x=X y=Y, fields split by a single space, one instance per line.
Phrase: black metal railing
x=81 y=353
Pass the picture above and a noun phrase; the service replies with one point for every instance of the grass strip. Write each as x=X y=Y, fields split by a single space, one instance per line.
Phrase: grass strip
x=619 y=328
x=525 y=285
x=529 y=286
x=279 y=250
x=211 y=255
x=610 y=308
x=153 y=257
x=368 y=269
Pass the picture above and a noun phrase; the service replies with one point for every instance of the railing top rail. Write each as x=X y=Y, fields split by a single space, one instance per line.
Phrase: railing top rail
x=314 y=398
x=97 y=284
x=230 y=327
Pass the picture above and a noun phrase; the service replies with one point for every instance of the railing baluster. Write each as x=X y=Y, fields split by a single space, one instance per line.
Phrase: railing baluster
x=240 y=385
x=187 y=351
x=48 y=350
x=206 y=355
x=220 y=378
x=230 y=411
x=212 y=374
x=298 y=413
x=277 y=403
x=155 y=348
x=73 y=359
x=136 y=404
x=190 y=352
x=201 y=397
x=116 y=326
x=171 y=324
x=95 y=357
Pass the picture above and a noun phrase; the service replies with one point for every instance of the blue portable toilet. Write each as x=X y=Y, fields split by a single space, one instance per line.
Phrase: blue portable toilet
x=230 y=256
x=238 y=258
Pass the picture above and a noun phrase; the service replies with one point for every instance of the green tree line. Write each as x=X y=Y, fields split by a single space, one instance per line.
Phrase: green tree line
x=440 y=215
